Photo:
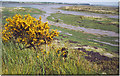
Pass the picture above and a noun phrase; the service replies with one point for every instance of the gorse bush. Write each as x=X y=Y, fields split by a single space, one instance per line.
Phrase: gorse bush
x=28 y=31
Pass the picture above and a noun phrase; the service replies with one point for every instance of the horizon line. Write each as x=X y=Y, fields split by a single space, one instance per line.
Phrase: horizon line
x=47 y=1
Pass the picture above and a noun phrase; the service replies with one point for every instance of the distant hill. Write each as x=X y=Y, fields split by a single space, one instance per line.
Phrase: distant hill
x=105 y=3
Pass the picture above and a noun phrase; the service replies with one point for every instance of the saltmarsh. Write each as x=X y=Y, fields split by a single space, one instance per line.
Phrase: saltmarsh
x=48 y=61
x=108 y=24
x=84 y=39
x=93 y=9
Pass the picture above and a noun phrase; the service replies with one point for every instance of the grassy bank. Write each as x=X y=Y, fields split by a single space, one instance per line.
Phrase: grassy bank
x=93 y=9
x=16 y=61
x=51 y=60
x=87 y=22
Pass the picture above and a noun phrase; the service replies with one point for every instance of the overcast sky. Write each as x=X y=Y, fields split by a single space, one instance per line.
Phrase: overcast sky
x=69 y=1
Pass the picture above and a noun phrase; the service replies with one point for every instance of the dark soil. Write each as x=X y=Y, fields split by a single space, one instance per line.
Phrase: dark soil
x=95 y=56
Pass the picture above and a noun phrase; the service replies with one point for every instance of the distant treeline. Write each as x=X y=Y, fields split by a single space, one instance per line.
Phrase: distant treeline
x=9 y=2
x=46 y=3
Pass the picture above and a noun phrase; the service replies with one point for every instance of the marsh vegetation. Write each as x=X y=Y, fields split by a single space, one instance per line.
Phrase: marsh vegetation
x=93 y=9
x=72 y=52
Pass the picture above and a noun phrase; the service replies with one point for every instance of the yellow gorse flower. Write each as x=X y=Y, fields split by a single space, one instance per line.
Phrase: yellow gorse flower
x=28 y=30
x=37 y=56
